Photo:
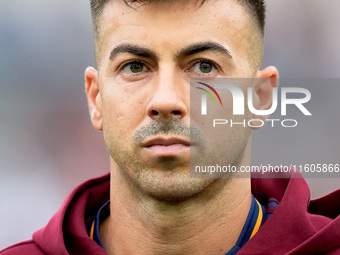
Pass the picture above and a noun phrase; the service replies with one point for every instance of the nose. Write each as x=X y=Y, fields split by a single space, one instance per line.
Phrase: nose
x=169 y=97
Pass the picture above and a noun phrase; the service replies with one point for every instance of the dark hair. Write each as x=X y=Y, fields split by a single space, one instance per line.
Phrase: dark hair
x=255 y=7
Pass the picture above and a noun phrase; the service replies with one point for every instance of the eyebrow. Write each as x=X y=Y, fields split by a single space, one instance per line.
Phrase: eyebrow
x=133 y=49
x=188 y=51
x=204 y=46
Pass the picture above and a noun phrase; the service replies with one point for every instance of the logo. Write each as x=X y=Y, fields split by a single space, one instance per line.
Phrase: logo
x=213 y=90
x=239 y=100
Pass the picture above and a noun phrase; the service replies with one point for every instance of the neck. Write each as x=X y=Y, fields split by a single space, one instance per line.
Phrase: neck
x=208 y=223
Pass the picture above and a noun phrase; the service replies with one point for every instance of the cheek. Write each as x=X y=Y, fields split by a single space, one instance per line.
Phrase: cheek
x=123 y=112
x=122 y=115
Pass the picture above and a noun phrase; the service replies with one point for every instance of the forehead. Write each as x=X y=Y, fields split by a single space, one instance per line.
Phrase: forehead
x=174 y=23
x=187 y=12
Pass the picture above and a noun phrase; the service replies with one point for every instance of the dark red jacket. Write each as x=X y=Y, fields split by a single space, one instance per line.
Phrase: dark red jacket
x=298 y=225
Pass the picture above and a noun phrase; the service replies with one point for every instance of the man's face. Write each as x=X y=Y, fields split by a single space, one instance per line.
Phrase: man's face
x=147 y=57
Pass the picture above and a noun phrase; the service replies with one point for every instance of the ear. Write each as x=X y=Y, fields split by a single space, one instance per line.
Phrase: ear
x=93 y=97
x=265 y=81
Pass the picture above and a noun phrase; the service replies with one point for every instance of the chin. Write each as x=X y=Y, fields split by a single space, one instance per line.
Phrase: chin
x=172 y=187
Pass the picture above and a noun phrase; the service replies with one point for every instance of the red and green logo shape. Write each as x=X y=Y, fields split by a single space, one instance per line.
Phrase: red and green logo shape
x=209 y=93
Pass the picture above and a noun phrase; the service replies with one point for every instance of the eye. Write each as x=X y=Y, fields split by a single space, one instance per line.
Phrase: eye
x=204 y=68
x=134 y=67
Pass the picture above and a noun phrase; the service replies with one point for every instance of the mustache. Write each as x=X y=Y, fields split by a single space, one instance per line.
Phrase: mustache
x=171 y=126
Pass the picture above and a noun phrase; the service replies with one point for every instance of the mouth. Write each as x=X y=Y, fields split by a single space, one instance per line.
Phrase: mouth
x=166 y=147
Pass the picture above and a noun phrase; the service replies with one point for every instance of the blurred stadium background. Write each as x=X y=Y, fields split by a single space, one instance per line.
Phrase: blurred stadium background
x=47 y=144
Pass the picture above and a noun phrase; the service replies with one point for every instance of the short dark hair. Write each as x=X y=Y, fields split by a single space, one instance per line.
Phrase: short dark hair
x=256 y=8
